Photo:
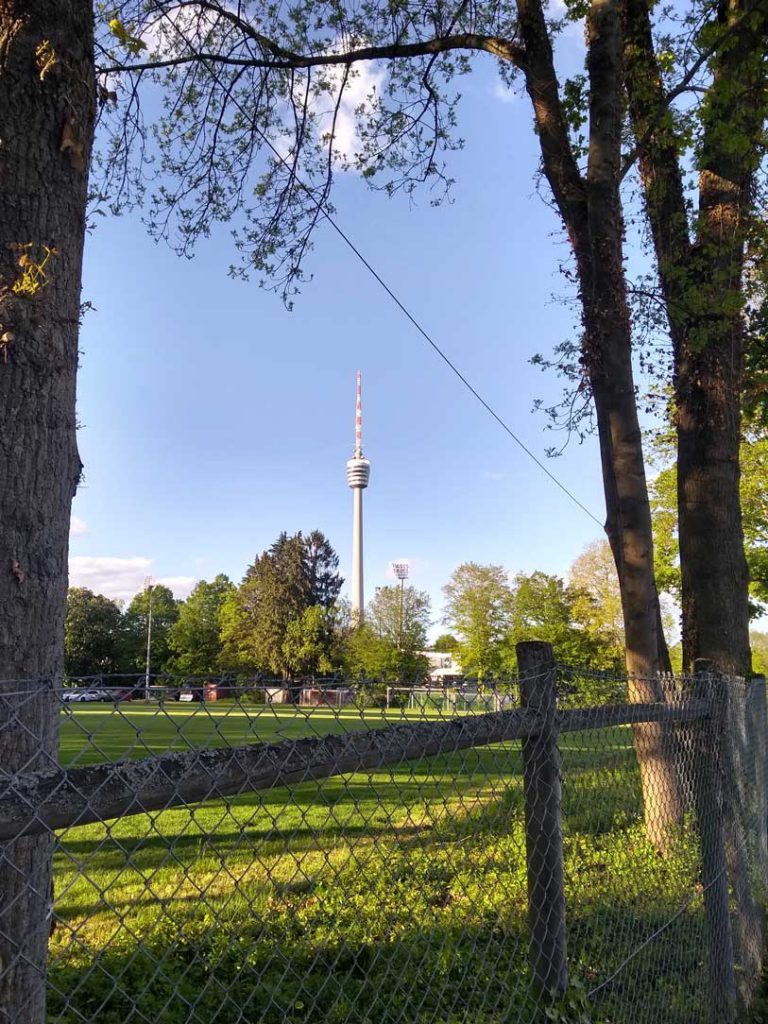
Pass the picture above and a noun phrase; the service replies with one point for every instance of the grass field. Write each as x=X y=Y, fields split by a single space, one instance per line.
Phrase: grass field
x=394 y=896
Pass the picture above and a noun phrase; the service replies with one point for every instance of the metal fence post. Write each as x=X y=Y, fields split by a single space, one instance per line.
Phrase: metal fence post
x=543 y=821
x=708 y=798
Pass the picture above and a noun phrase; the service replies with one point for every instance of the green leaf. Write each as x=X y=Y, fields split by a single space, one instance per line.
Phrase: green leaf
x=132 y=43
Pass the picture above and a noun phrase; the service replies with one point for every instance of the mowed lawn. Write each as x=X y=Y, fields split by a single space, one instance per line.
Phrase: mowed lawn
x=397 y=895
x=92 y=733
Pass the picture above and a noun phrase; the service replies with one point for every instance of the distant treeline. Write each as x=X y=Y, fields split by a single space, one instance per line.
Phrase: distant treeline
x=286 y=619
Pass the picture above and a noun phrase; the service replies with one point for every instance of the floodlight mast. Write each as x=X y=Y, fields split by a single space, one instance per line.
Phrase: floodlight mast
x=149 y=587
x=401 y=567
x=358 y=475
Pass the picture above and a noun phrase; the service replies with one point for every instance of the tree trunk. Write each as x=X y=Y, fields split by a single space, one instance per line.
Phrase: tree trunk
x=628 y=515
x=591 y=210
x=710 y=357
x=47 y=109
x=609 y=362
x=702 y=288
x=708 y=332
x=715 y=580
x=708 y=387
x=628 y=524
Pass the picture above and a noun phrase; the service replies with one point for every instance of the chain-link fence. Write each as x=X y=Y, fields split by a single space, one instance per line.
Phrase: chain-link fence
x=272 y=852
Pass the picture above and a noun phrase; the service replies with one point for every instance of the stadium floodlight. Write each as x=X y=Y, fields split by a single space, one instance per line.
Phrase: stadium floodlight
x=401 y=567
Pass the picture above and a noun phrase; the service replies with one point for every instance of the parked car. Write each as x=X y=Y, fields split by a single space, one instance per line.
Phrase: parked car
x=76 y=696
x=127 y=693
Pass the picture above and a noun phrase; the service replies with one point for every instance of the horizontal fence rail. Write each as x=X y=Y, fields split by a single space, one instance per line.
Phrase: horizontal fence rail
x=63 y=798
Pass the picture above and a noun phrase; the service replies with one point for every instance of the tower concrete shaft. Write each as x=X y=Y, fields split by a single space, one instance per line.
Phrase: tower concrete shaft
x=358 y=474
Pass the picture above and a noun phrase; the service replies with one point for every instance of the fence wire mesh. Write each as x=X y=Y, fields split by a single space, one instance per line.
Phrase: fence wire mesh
x=352 y=853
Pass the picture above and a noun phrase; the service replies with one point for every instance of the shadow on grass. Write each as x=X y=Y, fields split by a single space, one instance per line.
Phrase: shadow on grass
x=443 y=972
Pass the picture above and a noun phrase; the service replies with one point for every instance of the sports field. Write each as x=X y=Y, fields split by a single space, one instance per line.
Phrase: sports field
x=392 y=896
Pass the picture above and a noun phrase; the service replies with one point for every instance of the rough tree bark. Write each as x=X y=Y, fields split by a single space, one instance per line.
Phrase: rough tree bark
x=701 y=282
x=47 y=109
x=591 y=210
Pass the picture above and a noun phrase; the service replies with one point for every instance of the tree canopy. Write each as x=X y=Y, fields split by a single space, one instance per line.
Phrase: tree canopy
x=165 y=612
x=754 y=473
x=598 y=605
x=265 y=622
x=93 y=634
x=312 y=643
x=446 y=642
x=195 y=637
x=477 y=608
x=544 y=607
x=268 y=624
x=491 y=613
x=401 y=615
x=391 y=642
x=283 y=619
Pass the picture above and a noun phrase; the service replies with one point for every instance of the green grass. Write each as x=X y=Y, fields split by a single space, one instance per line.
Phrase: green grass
x=396 y=895
x=96 y=732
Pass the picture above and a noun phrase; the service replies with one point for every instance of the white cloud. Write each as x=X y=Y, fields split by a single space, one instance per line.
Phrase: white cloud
x=573 y=30
x=182 y=586
x=78 y=527
x=366 y=81
x=115 y=577
x=121 y=578
x=363 y=82
x=503 y=92
x=169 y=32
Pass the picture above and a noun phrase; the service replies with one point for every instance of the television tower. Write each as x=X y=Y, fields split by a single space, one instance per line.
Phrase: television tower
x=358 y=473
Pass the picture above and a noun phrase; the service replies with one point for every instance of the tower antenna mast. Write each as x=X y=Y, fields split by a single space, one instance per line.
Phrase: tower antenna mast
x=358 y=474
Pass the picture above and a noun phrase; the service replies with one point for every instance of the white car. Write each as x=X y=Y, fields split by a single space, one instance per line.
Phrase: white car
x=84 y=696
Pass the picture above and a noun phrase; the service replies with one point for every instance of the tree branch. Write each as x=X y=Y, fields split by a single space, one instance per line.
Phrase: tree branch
x=560 y=167
x=658 y=153
x=665 y=99
x=503 y=49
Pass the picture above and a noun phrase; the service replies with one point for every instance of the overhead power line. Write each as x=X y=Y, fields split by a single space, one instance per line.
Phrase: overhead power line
x=319 y=206
x=470 y=387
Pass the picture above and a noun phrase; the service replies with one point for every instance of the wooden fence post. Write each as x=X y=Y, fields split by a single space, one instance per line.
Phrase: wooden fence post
x=757 y=817
x=740 y=844
x=543 y=821
x=757 y=734
x=708 y=798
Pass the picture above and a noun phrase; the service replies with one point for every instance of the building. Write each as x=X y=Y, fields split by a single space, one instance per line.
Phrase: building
x=444 y=666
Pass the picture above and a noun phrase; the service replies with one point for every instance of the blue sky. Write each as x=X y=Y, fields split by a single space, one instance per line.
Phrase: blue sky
x=211 y=418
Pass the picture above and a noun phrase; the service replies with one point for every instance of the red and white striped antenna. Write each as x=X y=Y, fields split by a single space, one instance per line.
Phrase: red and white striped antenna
x=359 y=418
